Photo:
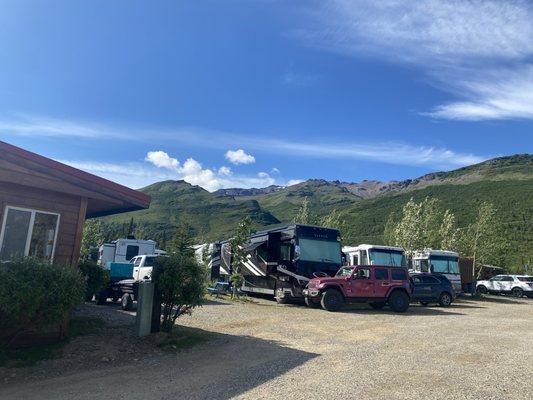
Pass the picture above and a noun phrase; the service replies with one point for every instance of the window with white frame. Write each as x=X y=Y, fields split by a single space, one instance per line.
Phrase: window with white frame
x=27 y=232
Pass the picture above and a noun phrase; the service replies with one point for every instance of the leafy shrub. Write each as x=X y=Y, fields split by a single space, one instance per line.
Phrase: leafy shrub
x=34 y=294
x=96 y=278
x=181 y=284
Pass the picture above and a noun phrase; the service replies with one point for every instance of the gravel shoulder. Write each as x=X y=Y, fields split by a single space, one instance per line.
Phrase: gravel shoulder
x=259 y=350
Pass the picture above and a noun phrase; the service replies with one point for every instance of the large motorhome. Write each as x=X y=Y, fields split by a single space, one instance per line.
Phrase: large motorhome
x=440 y=262
x=371 y=254
x=280 y=261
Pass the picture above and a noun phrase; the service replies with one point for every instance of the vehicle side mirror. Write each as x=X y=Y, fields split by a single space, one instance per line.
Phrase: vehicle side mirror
x=347 y=278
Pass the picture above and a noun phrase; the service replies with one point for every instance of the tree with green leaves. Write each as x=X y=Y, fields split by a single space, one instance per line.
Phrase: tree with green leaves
x=483 y=240
x=238 y=253
x=332 y=220
x=93 y=236
x=302 y=216
x=180 y=279
x=182 y=242
x=422 y=225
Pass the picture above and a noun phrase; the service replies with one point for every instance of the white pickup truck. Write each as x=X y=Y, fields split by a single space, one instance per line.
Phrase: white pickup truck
x=142 y=266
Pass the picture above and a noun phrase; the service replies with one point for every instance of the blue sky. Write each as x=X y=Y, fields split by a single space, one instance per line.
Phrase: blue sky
x=251 y=93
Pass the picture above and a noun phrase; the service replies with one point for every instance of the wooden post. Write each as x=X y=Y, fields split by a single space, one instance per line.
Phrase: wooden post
x=79 y=232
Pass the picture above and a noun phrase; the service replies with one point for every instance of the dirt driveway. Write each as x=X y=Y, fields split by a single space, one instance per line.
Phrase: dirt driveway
x=259 y=350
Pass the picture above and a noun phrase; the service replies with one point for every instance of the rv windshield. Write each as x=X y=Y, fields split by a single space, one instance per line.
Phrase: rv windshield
x=393 y=258
x=445 y=264
x=320 y=251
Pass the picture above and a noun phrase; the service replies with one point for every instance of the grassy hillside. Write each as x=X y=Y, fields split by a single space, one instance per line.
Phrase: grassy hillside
x=513 y=199
x=177 y=202
x=323 y=197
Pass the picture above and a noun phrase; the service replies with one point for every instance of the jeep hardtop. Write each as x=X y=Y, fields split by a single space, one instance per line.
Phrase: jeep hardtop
x=377 y=285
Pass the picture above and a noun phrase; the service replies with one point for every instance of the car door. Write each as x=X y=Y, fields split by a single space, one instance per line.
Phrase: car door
x=136 y=261
x=493 y=285
x=361 y=283
x=506 y=283
x=422 y=290
x=432 y=287
x=381 y=282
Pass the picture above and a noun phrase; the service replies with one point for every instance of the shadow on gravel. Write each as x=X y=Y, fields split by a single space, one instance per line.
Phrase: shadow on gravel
x=214 y=366
x=496 y=299
x=412 y=311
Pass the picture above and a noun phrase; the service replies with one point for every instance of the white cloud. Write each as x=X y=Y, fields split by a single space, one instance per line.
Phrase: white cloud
x=274 y=171
x=225 y=171
x=239 y=157
x=460 y=45
x=162 y=160
x=192 y=171
x=38 y=126
x=293 y=182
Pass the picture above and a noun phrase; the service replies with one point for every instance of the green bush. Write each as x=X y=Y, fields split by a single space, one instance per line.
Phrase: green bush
x=181 y=284
x=96 y=278
x=34 y=294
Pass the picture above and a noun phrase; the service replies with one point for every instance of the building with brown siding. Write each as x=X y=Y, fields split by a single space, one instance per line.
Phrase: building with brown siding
x=44 y=204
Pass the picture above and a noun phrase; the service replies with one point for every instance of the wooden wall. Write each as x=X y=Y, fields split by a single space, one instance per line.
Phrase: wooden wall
x=71 y=208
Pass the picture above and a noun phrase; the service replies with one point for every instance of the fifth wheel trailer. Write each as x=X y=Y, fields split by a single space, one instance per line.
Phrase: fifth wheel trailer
x=280 y=261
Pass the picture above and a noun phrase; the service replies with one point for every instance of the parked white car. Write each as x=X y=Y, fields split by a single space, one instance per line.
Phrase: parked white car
x=516 y=285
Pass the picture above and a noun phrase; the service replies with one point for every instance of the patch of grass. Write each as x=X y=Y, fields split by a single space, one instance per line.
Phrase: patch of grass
x=27 y=357
x=183 y=338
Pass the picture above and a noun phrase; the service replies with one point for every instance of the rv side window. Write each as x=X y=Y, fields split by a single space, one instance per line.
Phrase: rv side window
x=131 y=251
x=285 y=252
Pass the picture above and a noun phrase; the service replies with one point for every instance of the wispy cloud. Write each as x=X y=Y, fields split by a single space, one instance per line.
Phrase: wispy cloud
x=396 y=153
x=481 y=47
x=37 y=126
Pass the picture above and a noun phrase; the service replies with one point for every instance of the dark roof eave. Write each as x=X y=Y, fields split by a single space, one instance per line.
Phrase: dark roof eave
x=121 y=210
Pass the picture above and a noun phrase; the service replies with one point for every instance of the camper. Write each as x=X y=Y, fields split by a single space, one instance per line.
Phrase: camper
x=439 y=262
x=371 y=254
x=280 y=261
x=123 y=250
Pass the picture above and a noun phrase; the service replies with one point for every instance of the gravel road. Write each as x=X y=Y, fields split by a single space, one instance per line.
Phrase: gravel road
x=261 y=350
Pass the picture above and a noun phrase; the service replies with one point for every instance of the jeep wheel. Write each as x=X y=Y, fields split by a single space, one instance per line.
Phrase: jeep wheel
x=481 y=290
x=126 y=302
x=311 y=303
x=377 y=305
x=445 y=299
x=399 y=301
x=332 y=300
x=517 y=292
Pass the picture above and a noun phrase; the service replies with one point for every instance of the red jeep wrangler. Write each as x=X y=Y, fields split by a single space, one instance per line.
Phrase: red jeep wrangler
x=374 y=284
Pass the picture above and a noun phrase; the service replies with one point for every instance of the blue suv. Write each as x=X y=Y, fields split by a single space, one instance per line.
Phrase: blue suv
x=432 y=288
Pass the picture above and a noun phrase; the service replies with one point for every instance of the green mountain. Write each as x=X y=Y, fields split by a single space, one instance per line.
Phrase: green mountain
x=507 y=182
x=175 y=203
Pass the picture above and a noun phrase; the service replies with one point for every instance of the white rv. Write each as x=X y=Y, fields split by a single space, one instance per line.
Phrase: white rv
x=439 y=262
x=371 y=254
x=123 y=250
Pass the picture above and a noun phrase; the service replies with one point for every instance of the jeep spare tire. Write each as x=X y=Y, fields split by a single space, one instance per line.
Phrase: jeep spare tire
x=332 y=300
x=399 y=301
